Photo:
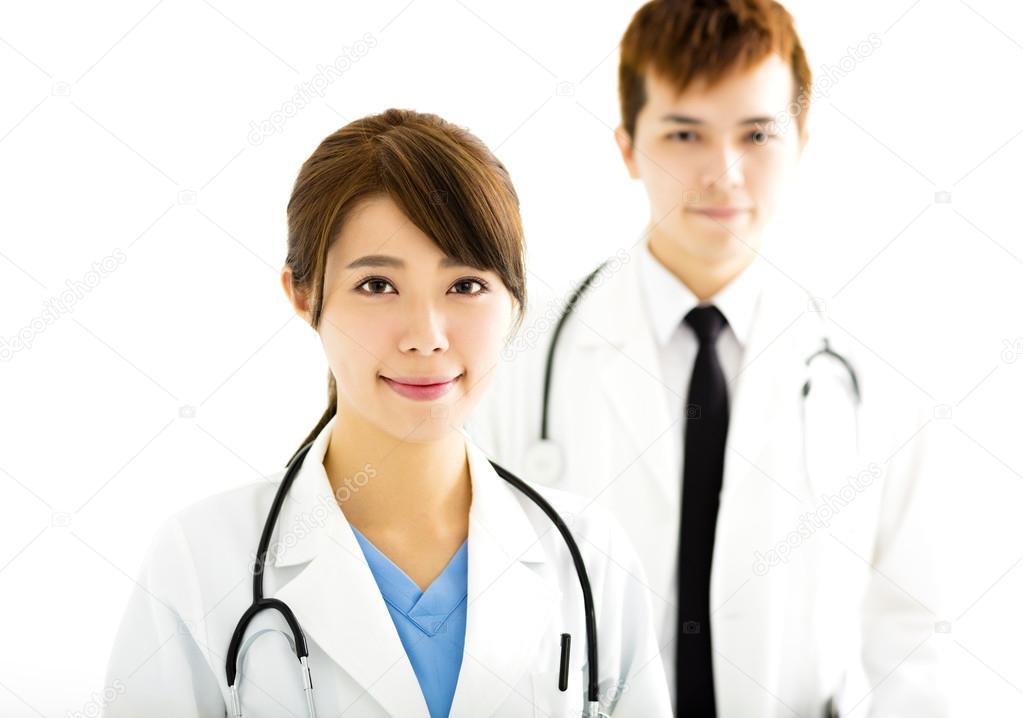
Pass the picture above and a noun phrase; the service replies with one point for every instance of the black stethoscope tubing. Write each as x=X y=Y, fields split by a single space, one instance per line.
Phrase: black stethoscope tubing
x=570 y=306
x=260 y=603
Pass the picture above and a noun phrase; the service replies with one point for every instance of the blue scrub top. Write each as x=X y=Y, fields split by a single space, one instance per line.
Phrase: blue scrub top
x=431 y=623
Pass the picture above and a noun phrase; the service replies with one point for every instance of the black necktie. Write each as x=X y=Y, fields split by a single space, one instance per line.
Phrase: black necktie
x=706 y=426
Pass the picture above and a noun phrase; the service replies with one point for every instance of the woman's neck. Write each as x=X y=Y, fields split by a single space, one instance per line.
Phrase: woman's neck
x=386 y=486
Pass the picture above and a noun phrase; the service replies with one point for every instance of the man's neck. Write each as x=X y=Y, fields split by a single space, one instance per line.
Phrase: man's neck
x=703 y=277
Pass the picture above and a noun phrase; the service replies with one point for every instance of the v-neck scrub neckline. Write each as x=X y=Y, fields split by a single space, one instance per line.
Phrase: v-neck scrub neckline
x=430 y=623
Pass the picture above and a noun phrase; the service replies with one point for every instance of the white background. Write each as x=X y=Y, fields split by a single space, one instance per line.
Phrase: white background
x=128 y=128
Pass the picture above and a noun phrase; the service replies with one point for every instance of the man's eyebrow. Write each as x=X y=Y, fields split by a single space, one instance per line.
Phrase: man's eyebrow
x=687 y=120
x=682 y=120
x=383 y=260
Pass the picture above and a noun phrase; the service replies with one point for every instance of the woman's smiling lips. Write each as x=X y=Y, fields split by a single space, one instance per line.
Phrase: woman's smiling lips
x=426 y=388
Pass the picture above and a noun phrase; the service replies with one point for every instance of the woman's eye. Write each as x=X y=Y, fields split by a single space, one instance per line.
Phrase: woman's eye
x=378 y=285
x=759 y=137
x=375 y=282
x=469 y=283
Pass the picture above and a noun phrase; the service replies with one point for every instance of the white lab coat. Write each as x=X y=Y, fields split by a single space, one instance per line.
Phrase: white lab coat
x=849 y=612
x=169 y=654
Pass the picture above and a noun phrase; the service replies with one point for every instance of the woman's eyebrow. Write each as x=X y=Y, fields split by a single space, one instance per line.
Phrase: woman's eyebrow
x=383 y=260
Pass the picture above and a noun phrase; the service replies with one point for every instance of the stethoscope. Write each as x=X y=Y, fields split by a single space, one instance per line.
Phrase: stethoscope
x=297 y=638
x=544 y=459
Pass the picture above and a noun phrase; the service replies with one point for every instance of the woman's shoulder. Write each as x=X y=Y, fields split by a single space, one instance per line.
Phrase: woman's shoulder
x=222 y=524
x=231 y=509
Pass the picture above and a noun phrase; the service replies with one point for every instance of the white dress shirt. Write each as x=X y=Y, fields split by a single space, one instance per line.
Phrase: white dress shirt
x=667 y=301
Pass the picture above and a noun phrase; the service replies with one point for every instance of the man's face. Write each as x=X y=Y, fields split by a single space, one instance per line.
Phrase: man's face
x=715 y=161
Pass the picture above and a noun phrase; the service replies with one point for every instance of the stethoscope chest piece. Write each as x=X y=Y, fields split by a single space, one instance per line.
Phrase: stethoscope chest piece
x=544 y=462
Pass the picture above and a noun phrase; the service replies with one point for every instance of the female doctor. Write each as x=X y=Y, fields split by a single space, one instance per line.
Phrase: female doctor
x=420 y=582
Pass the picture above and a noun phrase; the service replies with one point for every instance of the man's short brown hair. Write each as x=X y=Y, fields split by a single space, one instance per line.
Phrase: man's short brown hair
x=683 y=41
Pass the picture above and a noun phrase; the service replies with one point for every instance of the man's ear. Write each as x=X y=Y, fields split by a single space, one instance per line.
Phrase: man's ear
x=299 y=300
x=628 y=154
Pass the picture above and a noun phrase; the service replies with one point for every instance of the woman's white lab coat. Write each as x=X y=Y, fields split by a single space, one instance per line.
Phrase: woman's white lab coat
x=169 y=654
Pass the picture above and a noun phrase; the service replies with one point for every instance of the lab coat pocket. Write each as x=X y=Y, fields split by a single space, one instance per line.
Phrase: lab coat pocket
x=548 y=699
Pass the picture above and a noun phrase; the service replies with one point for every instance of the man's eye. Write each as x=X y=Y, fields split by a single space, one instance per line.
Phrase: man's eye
x=682 y=136
x=375 y=282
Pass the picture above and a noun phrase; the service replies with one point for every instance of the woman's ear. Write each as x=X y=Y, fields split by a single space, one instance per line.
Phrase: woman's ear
x=299 y=300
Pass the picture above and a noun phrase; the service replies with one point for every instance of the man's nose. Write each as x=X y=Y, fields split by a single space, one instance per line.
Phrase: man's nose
x=724 y=167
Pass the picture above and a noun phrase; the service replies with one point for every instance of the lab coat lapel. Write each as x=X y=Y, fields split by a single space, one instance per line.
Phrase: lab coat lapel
x=338 y=604
x=770 y=375
x=335 y=598
x=510 y=606
x=756 y=497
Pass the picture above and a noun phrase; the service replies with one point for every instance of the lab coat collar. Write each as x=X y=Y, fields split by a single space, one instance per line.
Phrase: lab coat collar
x=310 y=514
x=338 y=604
x=617 y=333
x=667 y=299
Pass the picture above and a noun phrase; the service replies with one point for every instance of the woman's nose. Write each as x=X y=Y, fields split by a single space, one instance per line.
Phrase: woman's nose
x=424 y=330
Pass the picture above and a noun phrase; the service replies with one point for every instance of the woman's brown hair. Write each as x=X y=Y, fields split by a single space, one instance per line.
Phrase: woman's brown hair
x=441 y=176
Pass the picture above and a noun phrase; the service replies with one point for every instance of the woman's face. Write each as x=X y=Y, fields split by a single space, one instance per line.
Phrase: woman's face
x=397 y=310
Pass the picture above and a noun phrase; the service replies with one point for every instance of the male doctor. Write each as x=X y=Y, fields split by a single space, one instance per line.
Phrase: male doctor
x=776 y=502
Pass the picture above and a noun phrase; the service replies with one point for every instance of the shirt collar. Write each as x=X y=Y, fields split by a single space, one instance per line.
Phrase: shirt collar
x=668 y=299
